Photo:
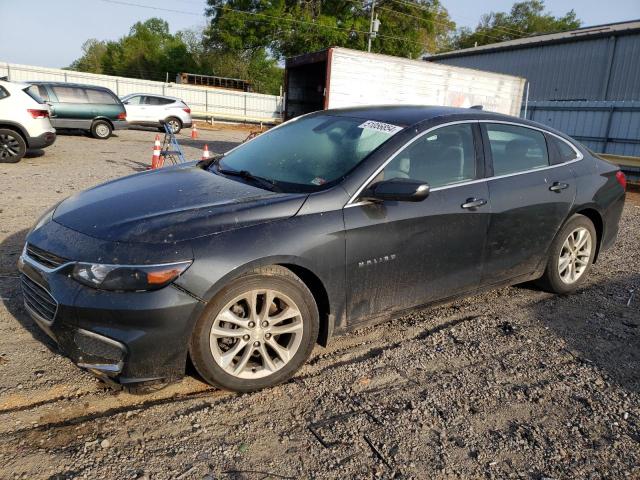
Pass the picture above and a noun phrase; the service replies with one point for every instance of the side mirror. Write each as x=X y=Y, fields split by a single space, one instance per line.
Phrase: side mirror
x=397 y=189
x=126 y=102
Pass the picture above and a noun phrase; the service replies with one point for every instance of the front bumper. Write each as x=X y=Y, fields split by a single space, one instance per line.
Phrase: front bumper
x=42 y=141
x=128 y=337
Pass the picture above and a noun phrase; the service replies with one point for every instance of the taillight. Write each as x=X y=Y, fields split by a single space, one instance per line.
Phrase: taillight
x=38 y=113
x=122 y=116
x=622 y=180
x=187 y=110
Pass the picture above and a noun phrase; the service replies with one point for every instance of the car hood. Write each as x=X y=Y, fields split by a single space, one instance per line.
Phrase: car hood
x=171 y=205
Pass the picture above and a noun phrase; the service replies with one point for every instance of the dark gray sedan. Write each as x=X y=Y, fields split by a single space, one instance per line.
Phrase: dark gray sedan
x=331 y=221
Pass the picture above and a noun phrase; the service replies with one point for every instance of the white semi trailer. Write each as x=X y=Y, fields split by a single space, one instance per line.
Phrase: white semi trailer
x=340 y=77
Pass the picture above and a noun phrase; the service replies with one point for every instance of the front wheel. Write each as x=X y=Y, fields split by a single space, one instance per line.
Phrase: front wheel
x=257 y=332
x=174 y=124
x=571 y=256
x=101 y=129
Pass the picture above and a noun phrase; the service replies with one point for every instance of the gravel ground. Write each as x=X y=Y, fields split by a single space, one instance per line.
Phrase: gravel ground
x=515 y=383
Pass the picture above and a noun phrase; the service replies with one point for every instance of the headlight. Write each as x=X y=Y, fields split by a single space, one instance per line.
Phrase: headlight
x=128 y=277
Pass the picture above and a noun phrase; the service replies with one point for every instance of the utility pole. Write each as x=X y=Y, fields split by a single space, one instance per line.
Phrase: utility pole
x=373 y=6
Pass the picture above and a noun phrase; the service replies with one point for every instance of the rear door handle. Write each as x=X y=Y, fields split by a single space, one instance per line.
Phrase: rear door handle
x=473 y=203
x=558 y=186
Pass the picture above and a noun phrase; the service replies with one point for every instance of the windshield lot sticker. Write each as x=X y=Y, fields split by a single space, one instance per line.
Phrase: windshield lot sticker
x=381 y=127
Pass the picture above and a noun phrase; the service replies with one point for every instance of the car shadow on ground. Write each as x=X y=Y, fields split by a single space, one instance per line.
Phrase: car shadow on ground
x=35 y=153
x=81 y=133
x=600 y=324
x=10 y=291
x=215 y=146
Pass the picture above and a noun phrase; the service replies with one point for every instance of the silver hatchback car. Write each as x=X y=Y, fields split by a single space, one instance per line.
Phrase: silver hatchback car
x=150 y=110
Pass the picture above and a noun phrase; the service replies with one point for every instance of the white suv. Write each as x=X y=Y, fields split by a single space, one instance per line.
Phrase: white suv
x=24 y=121
x=149 y=110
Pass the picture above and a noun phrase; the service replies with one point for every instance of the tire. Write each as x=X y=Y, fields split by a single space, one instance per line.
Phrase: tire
x=101 y=129
x=557 y=279
x=12 y=146
x=252 y=370
x=175 y=124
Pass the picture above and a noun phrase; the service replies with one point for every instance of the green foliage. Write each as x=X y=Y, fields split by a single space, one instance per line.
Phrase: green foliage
x=286 y=28
x=150 y=51
x=525 y=18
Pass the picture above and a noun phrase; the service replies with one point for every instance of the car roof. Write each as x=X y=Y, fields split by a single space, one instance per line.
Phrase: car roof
x=410 y=115
x=406 y=115
x=13 y=85
x=153 y=95
x=67 y=84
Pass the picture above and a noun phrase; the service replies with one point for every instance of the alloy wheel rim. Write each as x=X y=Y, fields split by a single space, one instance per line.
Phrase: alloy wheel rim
x=256 y=334
x=174 y=126
x=102 y=130
x=574 y=255
x=9 y=146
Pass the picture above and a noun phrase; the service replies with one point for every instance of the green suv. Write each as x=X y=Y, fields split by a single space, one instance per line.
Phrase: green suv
x=83 y=107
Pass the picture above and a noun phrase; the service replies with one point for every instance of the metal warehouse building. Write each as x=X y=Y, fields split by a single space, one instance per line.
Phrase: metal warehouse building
x=584 y=82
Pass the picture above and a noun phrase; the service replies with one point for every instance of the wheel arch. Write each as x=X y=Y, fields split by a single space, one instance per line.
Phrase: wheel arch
x=106 y=119
x=596 y=218
x=319 y=292
x=174 y=116
x=307 y=274
x=16 y=128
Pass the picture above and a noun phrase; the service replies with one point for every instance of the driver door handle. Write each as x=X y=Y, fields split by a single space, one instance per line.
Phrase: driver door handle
x=558 y=186
x=473 y=203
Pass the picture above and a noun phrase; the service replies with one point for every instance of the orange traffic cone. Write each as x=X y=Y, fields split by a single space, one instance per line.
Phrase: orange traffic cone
x=205 y=152
x=194 y=131
x=156 y=160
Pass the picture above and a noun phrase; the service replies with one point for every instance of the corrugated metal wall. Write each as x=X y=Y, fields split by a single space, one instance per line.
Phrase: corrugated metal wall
x=604 y=127
x=555 y=72
x=589 y=89
x=204 y=102
x=569 y=71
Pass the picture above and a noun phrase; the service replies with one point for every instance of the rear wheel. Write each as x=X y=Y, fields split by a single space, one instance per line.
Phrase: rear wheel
x=571 y=256
x=12 y=146
x=175 y=124
x=257 y=332
x=101 y=129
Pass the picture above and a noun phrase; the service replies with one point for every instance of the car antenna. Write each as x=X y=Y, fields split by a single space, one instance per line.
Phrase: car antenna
x=477 y=107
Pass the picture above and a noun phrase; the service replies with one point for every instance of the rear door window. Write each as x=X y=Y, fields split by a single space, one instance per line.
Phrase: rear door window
x=100 y=96
x=516 y=149
x=3 y=93
x=155 y=101
x=70 y=94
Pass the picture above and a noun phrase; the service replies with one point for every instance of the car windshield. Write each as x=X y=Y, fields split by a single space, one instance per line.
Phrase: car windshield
x=307 y=154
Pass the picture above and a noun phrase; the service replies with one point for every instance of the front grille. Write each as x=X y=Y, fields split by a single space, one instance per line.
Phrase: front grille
x=38 y=300
x=45 y=258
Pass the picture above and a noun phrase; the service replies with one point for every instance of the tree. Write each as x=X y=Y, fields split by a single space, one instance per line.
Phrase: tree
x=284 y=28
x=149 y=51
x=91 y=60
x=525 y=18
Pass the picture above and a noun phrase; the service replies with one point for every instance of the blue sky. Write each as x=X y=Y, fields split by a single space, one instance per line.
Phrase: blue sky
x=51 y=32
